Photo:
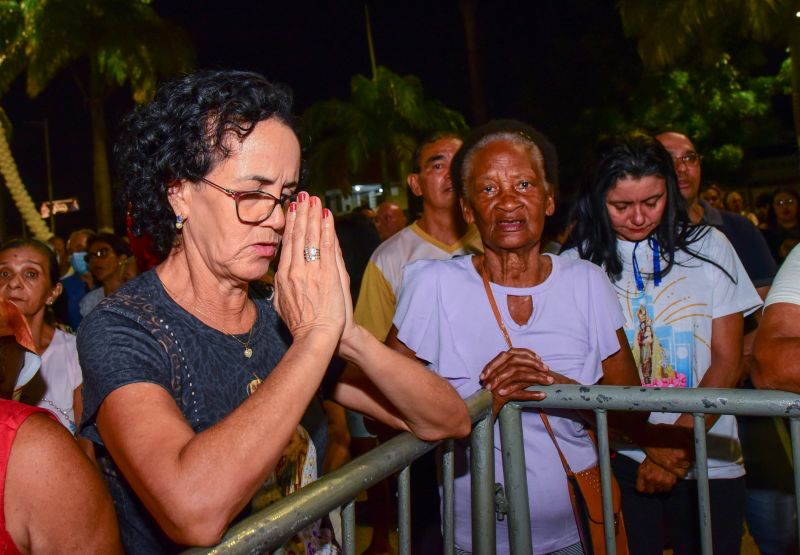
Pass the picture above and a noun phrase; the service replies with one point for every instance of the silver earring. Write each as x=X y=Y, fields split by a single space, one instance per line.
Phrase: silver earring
x=179 y=222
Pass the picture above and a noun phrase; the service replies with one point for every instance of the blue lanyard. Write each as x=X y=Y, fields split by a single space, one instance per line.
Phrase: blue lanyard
x=637 y=274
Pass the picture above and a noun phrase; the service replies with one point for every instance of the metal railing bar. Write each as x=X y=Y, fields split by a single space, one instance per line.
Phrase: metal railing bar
x=448 y=497
x=520 y=539
x=794 y=429
x=703 y=495
x=482 y=483
x=604 y=459
x=273 y=525
x=657 y=399
x=404 y=511
x=349 y=528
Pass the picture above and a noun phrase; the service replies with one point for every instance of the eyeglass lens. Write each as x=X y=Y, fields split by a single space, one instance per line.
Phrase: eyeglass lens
x=690 y=159
x=255 y=207
x=99 y=253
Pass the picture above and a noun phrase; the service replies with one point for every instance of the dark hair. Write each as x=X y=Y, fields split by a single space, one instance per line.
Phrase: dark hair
x=119 y=244
x=182 y=134
x=632 y=156
x=416 y=163
x=763 y=200
x=772 y=220
x=500 y=129
x=43 y=248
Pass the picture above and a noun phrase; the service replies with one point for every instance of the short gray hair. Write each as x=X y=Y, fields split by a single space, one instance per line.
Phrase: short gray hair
x=513 y=137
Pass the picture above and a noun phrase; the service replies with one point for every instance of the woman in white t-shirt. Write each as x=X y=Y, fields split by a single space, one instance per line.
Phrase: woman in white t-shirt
x=684 y=293
x=29 y=279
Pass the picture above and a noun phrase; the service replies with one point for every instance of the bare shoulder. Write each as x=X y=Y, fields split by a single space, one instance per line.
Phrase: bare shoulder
x=55 y=498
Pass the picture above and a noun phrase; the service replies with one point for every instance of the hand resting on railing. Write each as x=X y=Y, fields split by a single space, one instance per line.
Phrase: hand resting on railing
x=510 y=373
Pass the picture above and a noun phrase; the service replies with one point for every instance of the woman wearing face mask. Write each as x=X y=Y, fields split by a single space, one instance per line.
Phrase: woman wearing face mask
x=684 y=292
x=106 y=257
x=29 y=279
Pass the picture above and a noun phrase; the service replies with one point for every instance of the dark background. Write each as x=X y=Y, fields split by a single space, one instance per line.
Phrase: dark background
x=546 y=62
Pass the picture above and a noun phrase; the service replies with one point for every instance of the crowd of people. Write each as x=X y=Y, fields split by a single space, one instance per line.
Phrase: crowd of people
x=220 y=343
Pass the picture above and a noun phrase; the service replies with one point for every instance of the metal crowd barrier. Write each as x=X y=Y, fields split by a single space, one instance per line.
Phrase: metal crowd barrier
x=275 y=524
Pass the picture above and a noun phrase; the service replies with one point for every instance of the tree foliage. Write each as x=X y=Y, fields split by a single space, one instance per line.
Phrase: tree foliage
x=669 y=31
x=721 y=107
x=127 y=40
x=674 y=32
x=378 y=127
x=124 y=41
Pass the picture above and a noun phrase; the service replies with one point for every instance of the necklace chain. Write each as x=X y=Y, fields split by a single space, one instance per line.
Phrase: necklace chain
x=63 y=412
x=248 y=351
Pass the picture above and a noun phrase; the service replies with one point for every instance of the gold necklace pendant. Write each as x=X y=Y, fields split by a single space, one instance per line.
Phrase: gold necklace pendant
x=248 y=351
x=253 y=385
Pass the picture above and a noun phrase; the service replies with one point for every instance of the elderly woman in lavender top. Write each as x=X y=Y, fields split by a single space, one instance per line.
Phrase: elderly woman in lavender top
x=561 y=315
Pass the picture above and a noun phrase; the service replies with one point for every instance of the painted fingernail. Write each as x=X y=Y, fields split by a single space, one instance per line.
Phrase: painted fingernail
x=292 y=206
x=302 y=197
x=326 y=213
x=313 y=201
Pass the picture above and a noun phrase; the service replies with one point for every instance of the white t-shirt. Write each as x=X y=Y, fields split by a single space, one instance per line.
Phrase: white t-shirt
x=669 y=329
x=786 y=286
x=62 y=376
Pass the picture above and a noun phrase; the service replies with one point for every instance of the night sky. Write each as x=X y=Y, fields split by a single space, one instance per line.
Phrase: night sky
x=545 y=62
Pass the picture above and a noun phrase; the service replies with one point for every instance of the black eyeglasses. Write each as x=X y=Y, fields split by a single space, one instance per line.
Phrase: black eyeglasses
x=99 y=253
x=253 y=207
x=691 y=159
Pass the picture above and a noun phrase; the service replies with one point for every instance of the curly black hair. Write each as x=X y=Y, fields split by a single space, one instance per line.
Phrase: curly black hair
x=182 y=134
x=632 y=156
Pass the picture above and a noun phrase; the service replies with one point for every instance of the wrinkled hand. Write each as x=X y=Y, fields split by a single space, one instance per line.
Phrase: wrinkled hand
x=652 y=478
x=670 y=447
x=509 y=374
x=308 y=295
x=676 y=461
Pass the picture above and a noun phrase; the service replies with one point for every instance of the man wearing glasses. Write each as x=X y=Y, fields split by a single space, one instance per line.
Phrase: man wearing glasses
x=743 y=235
x=769 y=511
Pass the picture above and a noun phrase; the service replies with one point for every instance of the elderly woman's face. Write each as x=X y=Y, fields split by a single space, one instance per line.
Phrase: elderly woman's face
x=507 y=198
x=268 y=160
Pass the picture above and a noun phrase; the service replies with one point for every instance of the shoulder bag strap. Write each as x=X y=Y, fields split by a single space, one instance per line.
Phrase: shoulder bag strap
x=503 y=329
